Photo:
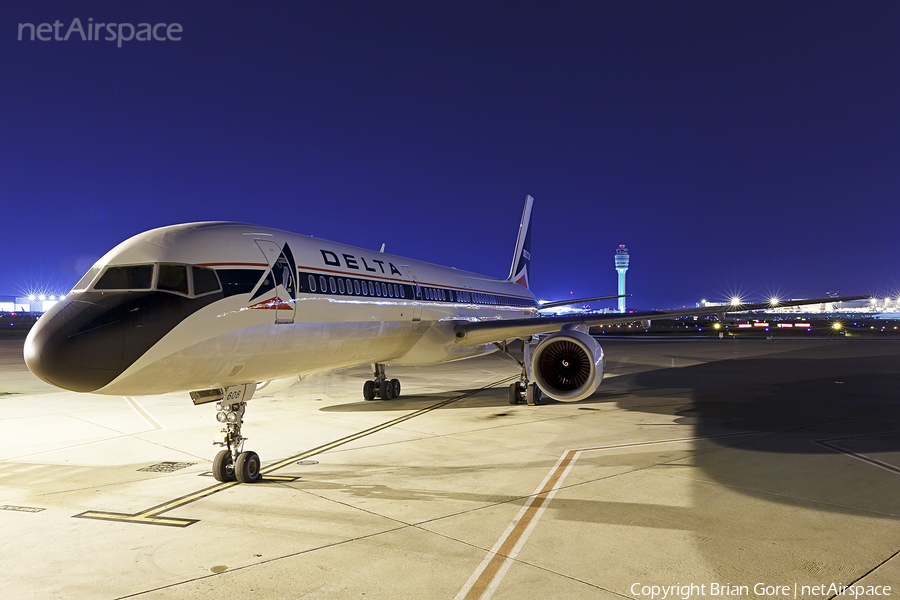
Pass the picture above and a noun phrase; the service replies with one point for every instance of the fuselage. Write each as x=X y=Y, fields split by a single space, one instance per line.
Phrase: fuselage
x=208 y=305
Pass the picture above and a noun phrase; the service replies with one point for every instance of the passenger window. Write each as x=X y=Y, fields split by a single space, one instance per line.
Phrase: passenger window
x=323 y=285
x=396 y=291
x=134 y=277
x=333 y=285
x=341 y=285
x=205 y=280
x=403 y=291
x=349 y=287
x=384 y=290
x=371 y=289
x=356 y=287
x=312 y=283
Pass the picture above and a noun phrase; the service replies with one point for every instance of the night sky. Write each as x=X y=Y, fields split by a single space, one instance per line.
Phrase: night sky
x=748 y=147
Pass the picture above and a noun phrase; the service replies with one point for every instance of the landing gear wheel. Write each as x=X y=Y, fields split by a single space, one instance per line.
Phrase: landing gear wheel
x=533 y=395
x=387 y=390
x=395 y=383
x=369 y=390
x=223 y=467
x=515 y=394
x=246 y=469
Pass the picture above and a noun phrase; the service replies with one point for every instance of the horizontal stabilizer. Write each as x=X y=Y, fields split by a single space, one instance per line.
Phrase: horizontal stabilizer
x=580 y=301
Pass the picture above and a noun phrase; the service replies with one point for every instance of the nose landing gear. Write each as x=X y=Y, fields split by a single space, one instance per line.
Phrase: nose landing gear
x=232 y=463
x=380 y=387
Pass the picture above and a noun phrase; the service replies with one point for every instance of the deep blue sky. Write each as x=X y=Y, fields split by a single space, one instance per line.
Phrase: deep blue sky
x=750 y=146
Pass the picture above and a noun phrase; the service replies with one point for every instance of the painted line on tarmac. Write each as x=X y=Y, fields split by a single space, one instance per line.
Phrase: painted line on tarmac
x=487 y=577
x=151 y=516
x=858 y=456
x=143 y=413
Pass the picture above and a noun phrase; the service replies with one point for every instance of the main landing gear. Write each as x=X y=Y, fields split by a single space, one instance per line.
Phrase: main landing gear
x=234 y=462
x=522 y=390
x=380 y=387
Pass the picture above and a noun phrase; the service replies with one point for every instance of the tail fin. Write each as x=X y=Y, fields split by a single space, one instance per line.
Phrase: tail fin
x=521 y=264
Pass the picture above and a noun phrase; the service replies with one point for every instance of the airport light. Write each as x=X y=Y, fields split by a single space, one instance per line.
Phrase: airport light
x=837 y=326
x=717 y=325
x=31 y=297
x=774 y=301
x=42 y=297
x=735 y=301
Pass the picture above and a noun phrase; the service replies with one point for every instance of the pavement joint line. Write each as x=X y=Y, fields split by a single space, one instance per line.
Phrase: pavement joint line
x=857 y=455
x=490 y=572
x=151 y=516
x=140 y=410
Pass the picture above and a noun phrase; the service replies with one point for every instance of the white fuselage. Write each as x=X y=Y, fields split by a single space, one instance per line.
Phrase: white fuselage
x=375 y=308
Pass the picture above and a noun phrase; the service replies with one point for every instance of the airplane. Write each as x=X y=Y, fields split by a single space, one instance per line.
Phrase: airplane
x=223 y=310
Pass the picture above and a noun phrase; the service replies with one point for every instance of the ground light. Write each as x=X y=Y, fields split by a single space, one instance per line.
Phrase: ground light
x=837 y=325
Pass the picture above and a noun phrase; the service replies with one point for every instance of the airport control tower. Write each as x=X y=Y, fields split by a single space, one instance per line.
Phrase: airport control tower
x=621 y=267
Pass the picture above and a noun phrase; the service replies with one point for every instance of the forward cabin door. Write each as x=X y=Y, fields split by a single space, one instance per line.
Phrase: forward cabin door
x=284 y=276
x=417 y=294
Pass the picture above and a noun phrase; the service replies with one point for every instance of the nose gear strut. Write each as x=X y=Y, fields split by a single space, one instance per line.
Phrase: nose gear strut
x=234 y=463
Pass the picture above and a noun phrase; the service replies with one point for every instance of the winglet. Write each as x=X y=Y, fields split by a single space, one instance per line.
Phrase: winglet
x=521 y=264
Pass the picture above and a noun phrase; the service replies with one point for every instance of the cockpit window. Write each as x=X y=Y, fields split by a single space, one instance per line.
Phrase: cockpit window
x=132 y=277
x=172 y=278
x=85 y=281
x=205 y=280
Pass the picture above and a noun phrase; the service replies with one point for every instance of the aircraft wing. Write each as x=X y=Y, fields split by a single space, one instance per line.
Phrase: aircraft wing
x=485 y=332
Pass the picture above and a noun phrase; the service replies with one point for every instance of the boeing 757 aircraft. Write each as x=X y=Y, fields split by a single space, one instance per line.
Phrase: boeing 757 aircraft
x=222 y=310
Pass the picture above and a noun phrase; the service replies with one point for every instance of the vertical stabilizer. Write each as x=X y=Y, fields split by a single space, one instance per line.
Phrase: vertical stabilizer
x=521 y=264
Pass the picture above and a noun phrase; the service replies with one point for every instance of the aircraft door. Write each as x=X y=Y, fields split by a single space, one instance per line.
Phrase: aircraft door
x=417 y=294
x=284 y=275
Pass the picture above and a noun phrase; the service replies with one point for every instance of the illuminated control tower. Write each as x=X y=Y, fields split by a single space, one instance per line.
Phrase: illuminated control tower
x=621 y=267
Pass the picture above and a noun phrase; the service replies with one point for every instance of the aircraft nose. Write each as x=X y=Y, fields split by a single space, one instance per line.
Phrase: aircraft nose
x=76 y=345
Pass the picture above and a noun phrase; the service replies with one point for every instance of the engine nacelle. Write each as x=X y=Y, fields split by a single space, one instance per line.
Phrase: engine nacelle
x=267 y=388
x=568 y=365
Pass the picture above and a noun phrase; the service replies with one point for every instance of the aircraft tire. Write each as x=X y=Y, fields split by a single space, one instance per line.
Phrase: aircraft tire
x=246 y=469
x=534 y=395
x=223 y=467
x=387 y=390
x=369 y=390
x=395 y=383
x=514 y=396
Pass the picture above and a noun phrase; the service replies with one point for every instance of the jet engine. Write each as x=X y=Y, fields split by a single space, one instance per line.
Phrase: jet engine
x=568 y=365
